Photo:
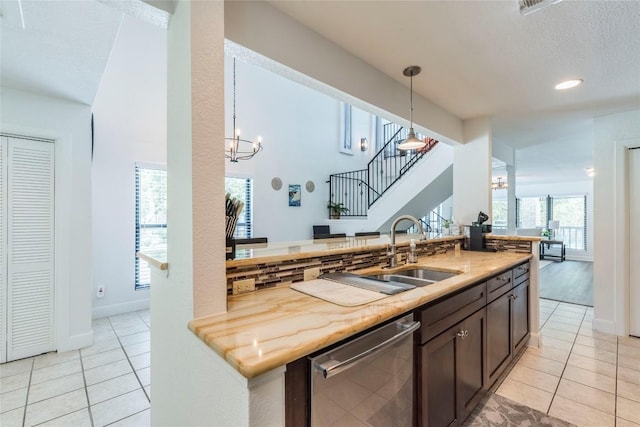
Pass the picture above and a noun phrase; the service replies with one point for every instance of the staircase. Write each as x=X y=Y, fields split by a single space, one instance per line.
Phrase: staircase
x=359 y=190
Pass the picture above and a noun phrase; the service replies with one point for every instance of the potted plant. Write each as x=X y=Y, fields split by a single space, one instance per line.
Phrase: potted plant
x=336 y=209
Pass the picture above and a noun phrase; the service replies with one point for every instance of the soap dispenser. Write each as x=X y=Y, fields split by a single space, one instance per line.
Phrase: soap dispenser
x=412 y=257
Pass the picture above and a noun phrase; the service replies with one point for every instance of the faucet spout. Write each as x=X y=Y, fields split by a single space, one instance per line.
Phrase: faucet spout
x=392 y=248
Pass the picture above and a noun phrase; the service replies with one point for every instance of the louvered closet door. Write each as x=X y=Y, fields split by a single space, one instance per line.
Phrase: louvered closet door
x=30 y=248
x=3 y=248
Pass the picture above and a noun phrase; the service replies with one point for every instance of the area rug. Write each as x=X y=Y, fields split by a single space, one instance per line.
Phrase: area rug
x=496 y=410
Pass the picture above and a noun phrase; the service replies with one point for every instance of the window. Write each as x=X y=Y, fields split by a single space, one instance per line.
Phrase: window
x=151 y=217
x=532 y=212
x=242 y=189
x=571 y=213
x=500 y=212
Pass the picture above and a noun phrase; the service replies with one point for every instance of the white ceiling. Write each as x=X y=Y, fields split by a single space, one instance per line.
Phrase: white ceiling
x=483 y=58
x=62 y=50
x=479 y=58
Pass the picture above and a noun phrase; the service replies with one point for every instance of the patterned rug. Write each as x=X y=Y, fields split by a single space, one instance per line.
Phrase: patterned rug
x=496 y=410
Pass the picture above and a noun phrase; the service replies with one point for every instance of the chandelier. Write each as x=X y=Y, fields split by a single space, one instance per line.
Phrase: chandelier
x=500 y=185
x=238 y=148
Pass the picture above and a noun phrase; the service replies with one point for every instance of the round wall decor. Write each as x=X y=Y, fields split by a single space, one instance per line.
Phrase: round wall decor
x=310 y=186
x=276 y=183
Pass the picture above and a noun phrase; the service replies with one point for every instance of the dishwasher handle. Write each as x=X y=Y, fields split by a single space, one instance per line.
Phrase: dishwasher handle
x=333 y=367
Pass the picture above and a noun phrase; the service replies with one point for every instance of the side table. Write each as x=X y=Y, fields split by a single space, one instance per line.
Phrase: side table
x=550 y=245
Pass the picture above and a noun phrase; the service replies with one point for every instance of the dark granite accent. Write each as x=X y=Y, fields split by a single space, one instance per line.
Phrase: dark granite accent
x=495 y=410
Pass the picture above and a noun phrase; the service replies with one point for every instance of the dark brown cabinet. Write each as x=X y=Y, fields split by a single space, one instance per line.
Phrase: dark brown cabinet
x=507 y=324
x=452 y=364
x=466 y=341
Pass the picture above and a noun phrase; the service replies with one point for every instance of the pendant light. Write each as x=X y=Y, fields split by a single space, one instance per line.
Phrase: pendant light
x=411 y=143
x=239 y=149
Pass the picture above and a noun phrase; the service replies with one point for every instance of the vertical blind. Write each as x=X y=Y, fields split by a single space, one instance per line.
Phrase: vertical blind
x=151 y=217
x=242 y=189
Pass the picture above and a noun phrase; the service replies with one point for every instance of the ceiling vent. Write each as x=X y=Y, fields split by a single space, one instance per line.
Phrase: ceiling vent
x=530 y=6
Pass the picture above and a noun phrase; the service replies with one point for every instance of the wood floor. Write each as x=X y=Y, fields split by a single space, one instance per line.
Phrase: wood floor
x=568 y=281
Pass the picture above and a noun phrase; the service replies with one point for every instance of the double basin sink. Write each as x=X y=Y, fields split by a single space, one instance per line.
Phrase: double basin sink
x=416 y=276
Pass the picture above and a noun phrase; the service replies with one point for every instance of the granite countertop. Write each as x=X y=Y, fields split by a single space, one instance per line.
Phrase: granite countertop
x=272 y=327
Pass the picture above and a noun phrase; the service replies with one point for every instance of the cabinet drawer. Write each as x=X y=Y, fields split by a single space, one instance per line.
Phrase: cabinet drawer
x=520 y=279
x=498 y=285
x=521 y=270
x=441 y=316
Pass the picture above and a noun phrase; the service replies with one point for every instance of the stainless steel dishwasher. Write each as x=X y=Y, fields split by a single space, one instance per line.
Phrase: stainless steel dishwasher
x=367 y=381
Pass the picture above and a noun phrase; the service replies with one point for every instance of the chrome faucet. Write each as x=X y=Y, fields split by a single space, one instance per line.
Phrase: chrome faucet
x=391 y=254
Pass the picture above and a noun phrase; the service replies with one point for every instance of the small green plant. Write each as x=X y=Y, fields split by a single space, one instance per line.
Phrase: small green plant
x=337 y=209
x=546 y=233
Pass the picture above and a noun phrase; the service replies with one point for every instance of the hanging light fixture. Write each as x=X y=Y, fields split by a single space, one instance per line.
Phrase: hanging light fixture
x=237 y=148
x=499 y=185
x=411 y=143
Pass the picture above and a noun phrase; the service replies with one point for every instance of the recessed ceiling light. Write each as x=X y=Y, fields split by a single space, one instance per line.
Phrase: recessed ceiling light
x=568 y=84
x=590 y=171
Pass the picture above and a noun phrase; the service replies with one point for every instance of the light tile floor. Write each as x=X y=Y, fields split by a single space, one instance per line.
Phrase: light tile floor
x=582 y=376
x=105 y=384
x=579 y=375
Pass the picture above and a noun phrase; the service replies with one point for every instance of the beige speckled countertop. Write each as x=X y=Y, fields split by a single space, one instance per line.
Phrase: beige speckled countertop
x=272 y=327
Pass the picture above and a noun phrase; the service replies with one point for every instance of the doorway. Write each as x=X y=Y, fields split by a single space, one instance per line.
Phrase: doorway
x=634 y=241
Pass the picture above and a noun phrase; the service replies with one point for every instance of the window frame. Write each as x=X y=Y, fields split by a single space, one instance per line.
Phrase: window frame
x=138 y=226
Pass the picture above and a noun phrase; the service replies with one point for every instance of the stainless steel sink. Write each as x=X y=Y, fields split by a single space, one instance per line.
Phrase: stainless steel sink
x=417 y=276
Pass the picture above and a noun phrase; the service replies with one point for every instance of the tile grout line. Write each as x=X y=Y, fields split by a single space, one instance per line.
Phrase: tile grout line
x=26 y=400
x=566 y=362
x=86 y=390
x=129 y=360
x=128 y=416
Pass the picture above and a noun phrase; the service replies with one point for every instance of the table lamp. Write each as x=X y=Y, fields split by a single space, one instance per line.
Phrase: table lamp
x=553 y=225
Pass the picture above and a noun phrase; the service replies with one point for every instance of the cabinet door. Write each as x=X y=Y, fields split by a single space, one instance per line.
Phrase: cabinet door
x=470 y=366
x=438 y=382
x=30 y=248
x=520 y=320
x=499 y=345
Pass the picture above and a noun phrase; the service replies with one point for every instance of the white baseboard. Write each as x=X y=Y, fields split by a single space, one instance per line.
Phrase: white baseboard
x=535 y=340
x=76 y=341
x=125 y=307
x=571 y=257
x=603 y=325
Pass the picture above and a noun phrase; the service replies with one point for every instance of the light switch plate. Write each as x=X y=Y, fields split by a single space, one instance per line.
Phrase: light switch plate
x=311 y=273
x=242 y=286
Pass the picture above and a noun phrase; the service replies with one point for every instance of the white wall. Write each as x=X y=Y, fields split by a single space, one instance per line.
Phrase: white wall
x=301 y=132
x=472 y=172
x=612 y=134
x=130 y=112
x=69 y=124
x=288 y=42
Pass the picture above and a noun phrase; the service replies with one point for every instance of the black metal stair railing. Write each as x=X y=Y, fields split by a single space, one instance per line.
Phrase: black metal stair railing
x=358 y=190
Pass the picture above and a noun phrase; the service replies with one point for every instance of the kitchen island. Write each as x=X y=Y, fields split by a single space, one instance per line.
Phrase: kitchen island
x=266 y=329
x=263 y=331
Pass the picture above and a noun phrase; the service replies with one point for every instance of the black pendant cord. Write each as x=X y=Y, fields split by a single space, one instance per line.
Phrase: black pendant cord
x=234 y=98
x=411 y=111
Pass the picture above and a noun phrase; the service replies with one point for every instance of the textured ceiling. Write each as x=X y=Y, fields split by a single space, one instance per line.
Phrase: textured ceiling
x=479 y=58
x=483 y=58
x=61 y=51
